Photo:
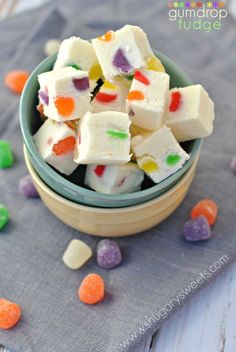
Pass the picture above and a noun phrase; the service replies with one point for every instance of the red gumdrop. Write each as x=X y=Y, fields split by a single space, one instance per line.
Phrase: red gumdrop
x=175 y=101
x=64 y=146
x=139 y=76
x=105 y=98
x=99 y=170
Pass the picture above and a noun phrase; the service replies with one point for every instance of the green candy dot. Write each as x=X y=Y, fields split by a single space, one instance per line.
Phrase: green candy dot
x=173 y=159
x=4 y=216
x=117 y=134
x=6 y=156
x=129 y=77
x=77 y=67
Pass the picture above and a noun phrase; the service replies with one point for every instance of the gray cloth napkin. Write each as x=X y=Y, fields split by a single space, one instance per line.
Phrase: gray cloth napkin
x=160 y=270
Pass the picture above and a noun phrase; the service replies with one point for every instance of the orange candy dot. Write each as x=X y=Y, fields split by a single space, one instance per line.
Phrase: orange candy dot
x=107 y=37
x=15 y=80
x=65 y=105
x=135 y=95
x=206 y=207
x=64 y=146
x=9 y=314
x=92 y=289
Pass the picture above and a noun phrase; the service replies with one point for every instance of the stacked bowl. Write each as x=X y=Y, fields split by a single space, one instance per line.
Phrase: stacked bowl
x=97 y=213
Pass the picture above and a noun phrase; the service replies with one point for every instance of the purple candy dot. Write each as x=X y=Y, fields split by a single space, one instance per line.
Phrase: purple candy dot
x=81 y=83
x=233 y=164
x=131 y=113
x=43 y=96
x=27 y=188
x=108 y=254
x=121 y=63
x=197 y=229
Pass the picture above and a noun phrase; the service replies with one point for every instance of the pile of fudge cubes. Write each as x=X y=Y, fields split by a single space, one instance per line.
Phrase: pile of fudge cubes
x=107 y=104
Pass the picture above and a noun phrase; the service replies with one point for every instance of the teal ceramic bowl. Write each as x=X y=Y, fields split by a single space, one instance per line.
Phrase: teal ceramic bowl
x=72 y=187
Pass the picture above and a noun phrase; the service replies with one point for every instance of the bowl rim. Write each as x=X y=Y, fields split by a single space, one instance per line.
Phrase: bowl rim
x=33 y=151
x=57 y=197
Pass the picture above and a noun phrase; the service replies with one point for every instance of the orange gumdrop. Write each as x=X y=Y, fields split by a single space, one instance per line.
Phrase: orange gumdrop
x=107 y=37
x=65 y=105
x=64 y=146
x=206 y=207
x=92 y=289
x=15 y=80
x=135 y=95
x=9 y=314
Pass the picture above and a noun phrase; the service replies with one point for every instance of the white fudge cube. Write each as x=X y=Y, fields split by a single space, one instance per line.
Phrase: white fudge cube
x=191 y=113
x=114 y=179
x=159 y=155
x=76 y=51
x=111 y=97
x=64 y=93
x=56 y=143
x=122 y=52
x=104 y=138
x=148 y=98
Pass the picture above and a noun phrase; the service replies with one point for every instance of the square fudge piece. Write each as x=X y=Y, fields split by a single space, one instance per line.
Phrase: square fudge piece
x=80 y=54
x=159 y=155
x=148 y=99
x=122 y=52
x=56 y=144
x=104 y=138
x=191 y=113
x=64 y=93
x=114 y=179
x=111 y=97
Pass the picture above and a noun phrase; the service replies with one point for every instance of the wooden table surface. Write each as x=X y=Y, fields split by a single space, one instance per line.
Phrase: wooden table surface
x=207 y=322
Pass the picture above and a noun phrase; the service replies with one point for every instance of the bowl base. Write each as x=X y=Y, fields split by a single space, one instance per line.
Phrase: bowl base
x=113 y=222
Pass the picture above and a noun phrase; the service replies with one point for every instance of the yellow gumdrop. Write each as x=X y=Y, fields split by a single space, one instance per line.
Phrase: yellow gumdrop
x=109 y=85
x=149 y=165
x=95 y=73
x=154 y=64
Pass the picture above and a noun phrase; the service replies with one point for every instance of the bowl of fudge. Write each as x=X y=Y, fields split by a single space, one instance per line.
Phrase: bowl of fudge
x=111 y=124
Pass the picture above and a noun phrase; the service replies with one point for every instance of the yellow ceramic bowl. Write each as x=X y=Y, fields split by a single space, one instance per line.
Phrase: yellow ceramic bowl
x=113 y=222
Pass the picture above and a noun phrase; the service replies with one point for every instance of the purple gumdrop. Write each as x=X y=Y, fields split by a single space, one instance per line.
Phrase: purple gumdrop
x=131 y=113
x=197 y=229
x=27 y=188
x=43 y=96
x=81 y=83
x=233 y=164
x=108 y=254
x=121 y=63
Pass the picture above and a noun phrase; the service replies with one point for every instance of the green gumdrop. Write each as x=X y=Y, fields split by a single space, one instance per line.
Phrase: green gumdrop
x=129 y=77
x=173 y=159
x=117 y=134
x=6 y=156
x=4 y=216
x=77 y=67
